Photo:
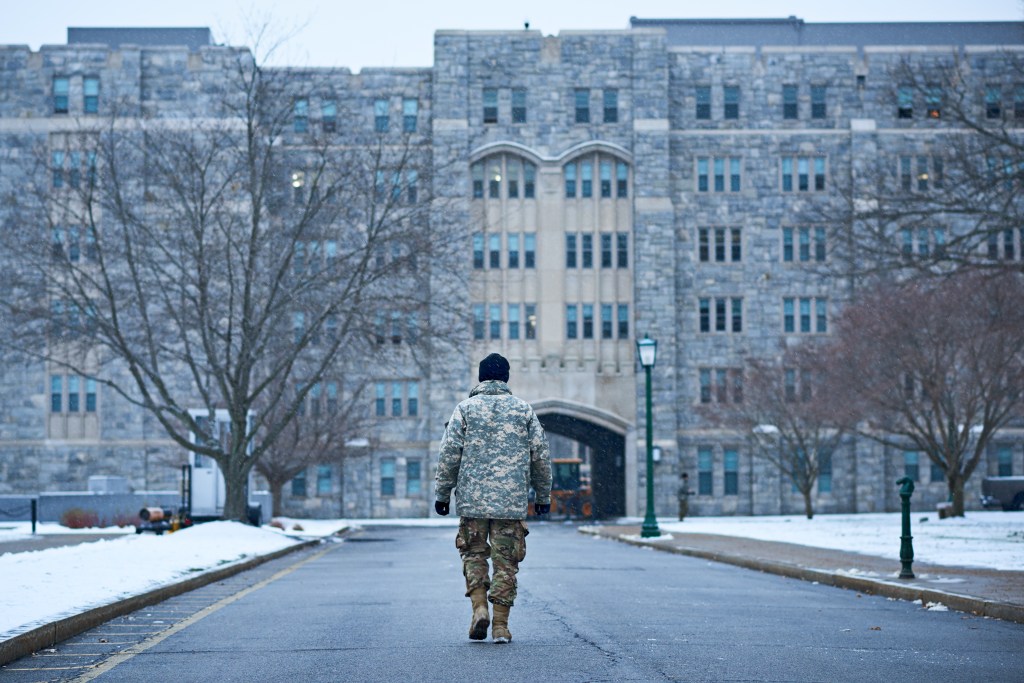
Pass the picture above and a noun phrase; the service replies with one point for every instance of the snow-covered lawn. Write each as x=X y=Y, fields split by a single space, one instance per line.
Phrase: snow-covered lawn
x=990 y=539
x=45 y=585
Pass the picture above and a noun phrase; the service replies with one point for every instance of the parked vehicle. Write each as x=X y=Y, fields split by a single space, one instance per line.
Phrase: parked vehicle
x=1005 y=492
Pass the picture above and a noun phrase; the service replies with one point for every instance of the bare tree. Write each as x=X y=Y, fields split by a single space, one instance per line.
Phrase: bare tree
x=937 y=365
x=211 y=261
x=787 y=412
x=950 y=200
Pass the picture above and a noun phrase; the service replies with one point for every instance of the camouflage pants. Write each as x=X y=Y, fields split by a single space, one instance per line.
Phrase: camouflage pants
x=506 y=550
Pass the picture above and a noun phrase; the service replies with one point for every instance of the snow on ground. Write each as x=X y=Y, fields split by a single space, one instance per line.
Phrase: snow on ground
x=990 y=539
x=45 y=585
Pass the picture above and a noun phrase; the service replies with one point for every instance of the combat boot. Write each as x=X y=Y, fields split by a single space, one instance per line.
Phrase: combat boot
x=499 y=631
x=481 y=620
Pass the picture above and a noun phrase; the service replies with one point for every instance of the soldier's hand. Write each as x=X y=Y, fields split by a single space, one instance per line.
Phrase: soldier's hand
x=441 y=508
x=542 y=508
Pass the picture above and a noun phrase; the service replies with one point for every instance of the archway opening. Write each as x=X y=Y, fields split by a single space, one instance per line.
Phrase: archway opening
x=604 y=455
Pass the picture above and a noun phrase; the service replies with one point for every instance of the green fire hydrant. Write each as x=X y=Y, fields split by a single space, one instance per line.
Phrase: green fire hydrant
x=906 y=540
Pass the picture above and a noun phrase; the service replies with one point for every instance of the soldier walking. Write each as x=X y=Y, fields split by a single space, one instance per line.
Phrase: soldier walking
x=492 y=452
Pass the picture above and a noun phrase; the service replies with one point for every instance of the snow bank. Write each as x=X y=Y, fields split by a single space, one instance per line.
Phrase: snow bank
x=45 y=585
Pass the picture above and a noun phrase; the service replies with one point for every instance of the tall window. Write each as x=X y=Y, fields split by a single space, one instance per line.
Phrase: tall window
x=705 y=471
x=1004 y=461
x=905 y=102
x=380 y=401
x=588 y=321
x=805 y=315
x=478 y=321
x=571 y=321
x=581 y=99
x=703 y=98
x=622 y=249
x=299 y=485
x=718 y=174
x=513 y=250
x=490 y=105
x=60 y=95
x=518 y=105
x=570 y=180
x=720 y=314
x=300 y=115
x=91 y=94
x=531 y=320
x=570 y=250
x=494 y=250
x=56 y=394
x=587 y=251
x=731 y=466
x=607 y=324
x=825 y=472
x=495 y=321
x=90 y=395
x=530 y=250
x=329 y=116
x=381 y=117
x=796 y=174
x=623 y=315
x=586 y=178
x=412 y=404
x=513 y=321
x=789 y=102
x=410 y=114
x=413 y=478
x=804 y=244
x=818 y=107
x=396 y=399
x=606 y=250
x=611 y=106
x=911 y=465
x=478 y=250
x=323 y=480
x=622 y=180
x=719 y=244
x=732 y=102
x=387 y=476
x=933 y=101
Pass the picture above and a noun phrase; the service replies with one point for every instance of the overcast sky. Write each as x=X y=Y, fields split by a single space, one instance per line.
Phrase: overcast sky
x=358 y=33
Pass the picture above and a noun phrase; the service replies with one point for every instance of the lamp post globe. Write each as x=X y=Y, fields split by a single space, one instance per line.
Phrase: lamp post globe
x=647 y=353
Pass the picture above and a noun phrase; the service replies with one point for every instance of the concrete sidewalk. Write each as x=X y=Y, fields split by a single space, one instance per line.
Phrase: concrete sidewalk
x=985 y=592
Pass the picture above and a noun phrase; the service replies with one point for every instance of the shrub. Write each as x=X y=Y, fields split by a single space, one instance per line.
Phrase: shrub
x=123 y=519
x=77 y=518
x=277 y=524
x=297 y=527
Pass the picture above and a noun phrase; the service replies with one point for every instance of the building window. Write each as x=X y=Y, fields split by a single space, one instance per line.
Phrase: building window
x=732 y=102
x=703 y=96
x=818 y=107
x=581 y=98
x=905 y=102
x=920 y=173
x=789 y=102
x=529 y=180
x=380 y=404
x=495 y=321
x=607 y=323
x=387 y=476
x=513 y=250
x=413 y=478
x=412 y=405
x=611 y=106
x=720 y=166
x=56 y=394
x=478 y=321
x=570 y=180
x=588 y=321
x=494 y=252
x=494 y=180
x=1018 y=102
x=300 y=115
x=796 y=174
x=623 y=314
x=1004 y=461
x=531 y=320
x=911 y=465
x=60 y=95
x=606 y=178
x=478 y=250
x=727 y=312
x=530 y=250
x=622 y=180
x=810 y=244
x=329 y=116
x=705 y=471
x=91 y=94
x=57 y=168
x=323 y=480
x=622 y=249
x=410 y=113
x=396 y=399
x=587 y=251
x=825 y=472
x=490 y=105
x=731 y=462
x=299 y=485
x=477 y=175
x=606 y=250
x=570 y=250
x=720 y=244
x=933 y=101
x=381 y=117
x=518 y=105
x=813 y=315
x=90 y=395
x=571 y=321
x=513 y=321
x=937 y=475
x=586 y=179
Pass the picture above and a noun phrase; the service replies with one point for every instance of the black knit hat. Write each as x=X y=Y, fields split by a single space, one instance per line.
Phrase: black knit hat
x=494 y=367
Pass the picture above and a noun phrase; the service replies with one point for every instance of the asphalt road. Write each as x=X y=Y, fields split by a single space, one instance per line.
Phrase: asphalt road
x=388 y=605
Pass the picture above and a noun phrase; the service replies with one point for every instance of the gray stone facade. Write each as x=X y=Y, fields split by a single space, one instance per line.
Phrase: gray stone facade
x=658 y=73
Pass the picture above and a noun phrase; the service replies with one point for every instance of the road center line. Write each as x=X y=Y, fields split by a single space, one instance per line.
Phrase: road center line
x=130 y=652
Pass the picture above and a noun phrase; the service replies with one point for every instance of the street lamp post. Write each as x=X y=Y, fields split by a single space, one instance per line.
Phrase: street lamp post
x=647 y=350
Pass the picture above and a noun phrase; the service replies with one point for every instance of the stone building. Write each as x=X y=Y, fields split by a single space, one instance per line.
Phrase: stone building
x=612 y=185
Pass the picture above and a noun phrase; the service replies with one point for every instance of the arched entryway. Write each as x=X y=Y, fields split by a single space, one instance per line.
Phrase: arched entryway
x=604 y=435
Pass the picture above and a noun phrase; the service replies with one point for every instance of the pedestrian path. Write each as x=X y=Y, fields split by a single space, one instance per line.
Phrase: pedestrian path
x=986 y=592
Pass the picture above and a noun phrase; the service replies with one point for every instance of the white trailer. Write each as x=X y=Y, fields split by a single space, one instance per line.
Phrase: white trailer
x=204 y=481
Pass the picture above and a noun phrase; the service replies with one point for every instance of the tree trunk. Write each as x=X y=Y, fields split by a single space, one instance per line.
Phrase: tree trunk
x=276 y=488
x=236 y=500
x=808 y=505
x=956 y=494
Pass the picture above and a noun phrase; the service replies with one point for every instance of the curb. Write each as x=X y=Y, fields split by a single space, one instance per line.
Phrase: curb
x=50 y=634
x=956 y=601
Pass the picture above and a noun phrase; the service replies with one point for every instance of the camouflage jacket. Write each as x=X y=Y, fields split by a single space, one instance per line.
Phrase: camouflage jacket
x=492 y=452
